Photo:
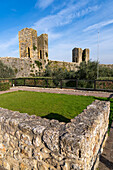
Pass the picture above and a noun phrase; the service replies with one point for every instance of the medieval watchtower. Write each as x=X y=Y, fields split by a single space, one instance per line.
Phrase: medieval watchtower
x=42 y=42
x=31 y=46
x=79 y=55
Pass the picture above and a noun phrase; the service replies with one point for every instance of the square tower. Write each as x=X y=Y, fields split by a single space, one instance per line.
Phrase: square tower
x=77 y=55
x=42 y=41
x=28 y=43
x=85 y=55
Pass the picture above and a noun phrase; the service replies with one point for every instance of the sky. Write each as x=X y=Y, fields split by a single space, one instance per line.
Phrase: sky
x=68 y=23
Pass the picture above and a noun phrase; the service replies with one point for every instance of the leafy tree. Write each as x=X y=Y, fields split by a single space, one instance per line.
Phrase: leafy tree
x=87 y=71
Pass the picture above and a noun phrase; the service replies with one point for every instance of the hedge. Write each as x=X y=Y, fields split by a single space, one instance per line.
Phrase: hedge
x=4 y=86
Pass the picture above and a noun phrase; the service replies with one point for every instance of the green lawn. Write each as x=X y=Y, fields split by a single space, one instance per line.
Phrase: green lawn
x=58 y=106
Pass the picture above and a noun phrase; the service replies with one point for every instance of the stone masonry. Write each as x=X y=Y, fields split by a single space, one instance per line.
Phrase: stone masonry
x=79 y=55
x=35 y=48
x=35 y=143
x=31 y=46
x=23 y=67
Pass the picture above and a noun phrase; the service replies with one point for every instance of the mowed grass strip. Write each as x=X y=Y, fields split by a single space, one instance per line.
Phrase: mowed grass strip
x=53 y=106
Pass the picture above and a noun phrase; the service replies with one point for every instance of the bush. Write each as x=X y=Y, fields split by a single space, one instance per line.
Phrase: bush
x=4 y=86
x=38 y=63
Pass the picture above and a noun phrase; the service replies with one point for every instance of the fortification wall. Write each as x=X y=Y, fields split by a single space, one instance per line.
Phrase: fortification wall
x=30 y=142
x=24 y=67
x=65 y=65
x=107 y=65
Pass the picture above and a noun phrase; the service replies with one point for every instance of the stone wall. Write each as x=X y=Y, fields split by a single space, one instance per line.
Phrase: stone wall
x=31 y=143
x=24 y=67
x=64 y=65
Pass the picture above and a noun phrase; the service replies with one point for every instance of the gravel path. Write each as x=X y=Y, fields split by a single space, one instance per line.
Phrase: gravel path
x=106 y=159
x=61 y=91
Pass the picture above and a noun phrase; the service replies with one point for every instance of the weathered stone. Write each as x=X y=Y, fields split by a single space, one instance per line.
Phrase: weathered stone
x=51 y=139
x=30 y=142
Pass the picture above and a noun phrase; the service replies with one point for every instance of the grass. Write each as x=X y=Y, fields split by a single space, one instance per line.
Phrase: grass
x=58 y=106
x=52 y=106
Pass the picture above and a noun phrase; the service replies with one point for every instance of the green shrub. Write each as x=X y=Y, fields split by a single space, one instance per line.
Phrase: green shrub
x=4 y=86
x=38 y=63
x=16 y=70
x=34 y=47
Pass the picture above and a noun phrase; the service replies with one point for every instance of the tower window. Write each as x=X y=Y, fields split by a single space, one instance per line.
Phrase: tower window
x=28 y=52
x=46 y=54
x=40 y=54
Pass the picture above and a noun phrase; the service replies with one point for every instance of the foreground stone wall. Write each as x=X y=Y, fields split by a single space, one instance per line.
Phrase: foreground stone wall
x=30 y=142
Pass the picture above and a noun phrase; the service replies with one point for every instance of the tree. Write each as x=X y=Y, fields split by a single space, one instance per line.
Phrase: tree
x=87 y=71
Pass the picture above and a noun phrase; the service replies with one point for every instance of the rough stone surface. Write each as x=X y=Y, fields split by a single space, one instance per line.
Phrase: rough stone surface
x=35 y=48
x=30 y=142
x=79 y=55
x=31 y=46
x=24 y=67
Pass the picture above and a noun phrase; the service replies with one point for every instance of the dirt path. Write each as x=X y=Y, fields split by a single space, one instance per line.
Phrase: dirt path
x=106 y=158
x=60 y=91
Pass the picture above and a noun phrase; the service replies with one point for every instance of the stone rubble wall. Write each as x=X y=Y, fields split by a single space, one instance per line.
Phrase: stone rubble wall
x=31 y=142
x=64 y=65
x=23 y=67
x=26 y=67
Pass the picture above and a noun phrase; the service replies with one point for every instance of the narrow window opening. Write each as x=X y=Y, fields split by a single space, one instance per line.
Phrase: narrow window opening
x=79 y=153
x=40 y=54
x=83 y=56
x=46 y=54
x=28 y=52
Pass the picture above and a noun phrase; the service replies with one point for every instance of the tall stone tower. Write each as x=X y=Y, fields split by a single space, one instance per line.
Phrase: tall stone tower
x=31 y=46
x=42 y=42
x=85 y=55
x=28 y=43
x=79 y=55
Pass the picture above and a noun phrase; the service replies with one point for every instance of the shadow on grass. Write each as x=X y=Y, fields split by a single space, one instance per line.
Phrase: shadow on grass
x=56 y=116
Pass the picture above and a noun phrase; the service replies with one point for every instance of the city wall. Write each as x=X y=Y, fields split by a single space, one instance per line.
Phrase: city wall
x=31 y=142
x=23 y=67
x=26 y=67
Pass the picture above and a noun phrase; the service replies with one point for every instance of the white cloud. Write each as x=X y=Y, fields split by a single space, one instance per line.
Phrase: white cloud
x=43 y=3
x=9 y=48
x=64 y=17
x=99 y=25
x=9 y=43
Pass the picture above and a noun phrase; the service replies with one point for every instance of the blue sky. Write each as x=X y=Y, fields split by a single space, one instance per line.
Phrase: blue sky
x=69 y=24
